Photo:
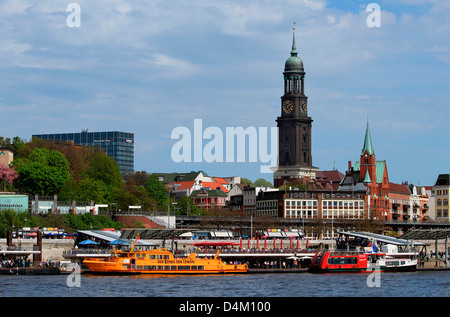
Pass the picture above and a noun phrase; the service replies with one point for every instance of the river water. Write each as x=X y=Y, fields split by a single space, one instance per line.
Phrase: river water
x=413 y=284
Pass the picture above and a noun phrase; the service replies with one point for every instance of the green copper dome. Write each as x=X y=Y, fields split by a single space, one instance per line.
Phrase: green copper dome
x=293 y=63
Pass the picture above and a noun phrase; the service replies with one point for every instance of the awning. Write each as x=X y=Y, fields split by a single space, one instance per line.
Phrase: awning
x=119 y=242
x=152 y=233
x=88 y=242
x=215 y=243
x=108 y=236
x=221 y=234
x=380 y=238
x=427 y=234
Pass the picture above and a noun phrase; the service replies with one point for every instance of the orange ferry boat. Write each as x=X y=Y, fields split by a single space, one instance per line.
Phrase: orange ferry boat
x=160 y=261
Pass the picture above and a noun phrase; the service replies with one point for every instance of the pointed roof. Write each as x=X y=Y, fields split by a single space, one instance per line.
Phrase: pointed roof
x=367 y=142
x=367 y=178
x=294 y=47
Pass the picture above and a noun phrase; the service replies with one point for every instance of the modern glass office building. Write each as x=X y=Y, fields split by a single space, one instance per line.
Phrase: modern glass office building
x=118 y=145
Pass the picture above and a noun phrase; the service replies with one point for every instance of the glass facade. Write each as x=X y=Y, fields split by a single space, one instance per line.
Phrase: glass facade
x=118 y=145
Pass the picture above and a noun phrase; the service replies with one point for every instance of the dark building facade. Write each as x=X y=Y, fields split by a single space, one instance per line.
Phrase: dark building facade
x=294 y=125
x=118 y=145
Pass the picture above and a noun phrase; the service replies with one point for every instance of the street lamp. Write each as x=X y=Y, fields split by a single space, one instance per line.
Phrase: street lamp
x=168 y=213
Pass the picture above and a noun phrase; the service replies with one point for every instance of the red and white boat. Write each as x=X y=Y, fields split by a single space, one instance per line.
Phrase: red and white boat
x=336 y=261
x=391 y=257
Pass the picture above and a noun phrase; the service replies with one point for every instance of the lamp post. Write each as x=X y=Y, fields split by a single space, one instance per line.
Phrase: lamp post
x=168 y=212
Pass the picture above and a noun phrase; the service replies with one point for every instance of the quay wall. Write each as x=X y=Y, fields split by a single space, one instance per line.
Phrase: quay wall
x=52 y=249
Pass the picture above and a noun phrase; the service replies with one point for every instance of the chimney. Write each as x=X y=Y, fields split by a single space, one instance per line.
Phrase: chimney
x=349 y=165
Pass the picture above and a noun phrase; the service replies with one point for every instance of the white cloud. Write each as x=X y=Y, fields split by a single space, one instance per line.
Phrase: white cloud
x=152 y=65
x=13 y=7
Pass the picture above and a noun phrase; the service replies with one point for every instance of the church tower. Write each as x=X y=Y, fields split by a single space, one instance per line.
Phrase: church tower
x=294 y=125
x=368 y=170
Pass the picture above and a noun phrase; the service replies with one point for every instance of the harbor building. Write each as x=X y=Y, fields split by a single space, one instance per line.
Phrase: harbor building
x=441 y=195
x=116 y=144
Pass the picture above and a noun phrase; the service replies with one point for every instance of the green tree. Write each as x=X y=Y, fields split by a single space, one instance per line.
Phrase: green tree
x=11 y=220
x=132 y=195
x=88 y=221
x=156 y=190
x=187 y=207
x=246 y=181
x=44 y=172
x=105 y=169
x=261 y=182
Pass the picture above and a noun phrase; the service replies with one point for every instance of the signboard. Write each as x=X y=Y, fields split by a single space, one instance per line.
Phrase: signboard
x=18 y=203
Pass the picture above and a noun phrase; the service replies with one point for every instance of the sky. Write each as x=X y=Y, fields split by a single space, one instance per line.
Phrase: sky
x=152 y=66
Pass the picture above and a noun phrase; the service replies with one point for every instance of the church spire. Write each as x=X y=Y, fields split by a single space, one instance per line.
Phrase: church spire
x=294 y=47
x=367 y=142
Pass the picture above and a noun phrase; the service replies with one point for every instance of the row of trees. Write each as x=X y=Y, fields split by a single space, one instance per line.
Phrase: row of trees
x=77 y=173
x=11 y=220
x=84 y=174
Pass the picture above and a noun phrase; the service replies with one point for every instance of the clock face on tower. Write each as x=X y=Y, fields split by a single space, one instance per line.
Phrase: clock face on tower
x=288 y=106
x=303 y=106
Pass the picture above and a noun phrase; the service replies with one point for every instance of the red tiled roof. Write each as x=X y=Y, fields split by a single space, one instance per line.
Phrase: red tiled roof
x=333 y=176
x=399 y=188
x=214 y=186
x=183 y=185
x=189 y=184
x=220 y=180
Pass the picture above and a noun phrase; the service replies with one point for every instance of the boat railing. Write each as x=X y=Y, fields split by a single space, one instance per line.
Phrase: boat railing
x=212 y=251
x=86 y=251
x=347 y=253
x=20 y=248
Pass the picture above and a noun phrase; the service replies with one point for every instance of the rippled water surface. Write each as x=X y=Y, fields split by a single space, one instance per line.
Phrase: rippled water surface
x=416 y=284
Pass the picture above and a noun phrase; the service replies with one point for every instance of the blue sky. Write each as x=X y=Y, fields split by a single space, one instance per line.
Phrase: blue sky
x=148 y=67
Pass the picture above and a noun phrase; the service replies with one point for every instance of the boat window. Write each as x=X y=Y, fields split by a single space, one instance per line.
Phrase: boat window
x=200 y=267
x=342 y=260
x=152 y=267
x=166 y=257
x=152 y=256
x=167 y=268
x=160 y=267
x=146 y=267
x=173 y=267
x=143 y=256
x=194 y=267
x=139 y=267
x=159 y=256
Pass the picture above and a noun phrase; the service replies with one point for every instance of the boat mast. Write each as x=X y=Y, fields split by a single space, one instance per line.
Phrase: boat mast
x=136 y=240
